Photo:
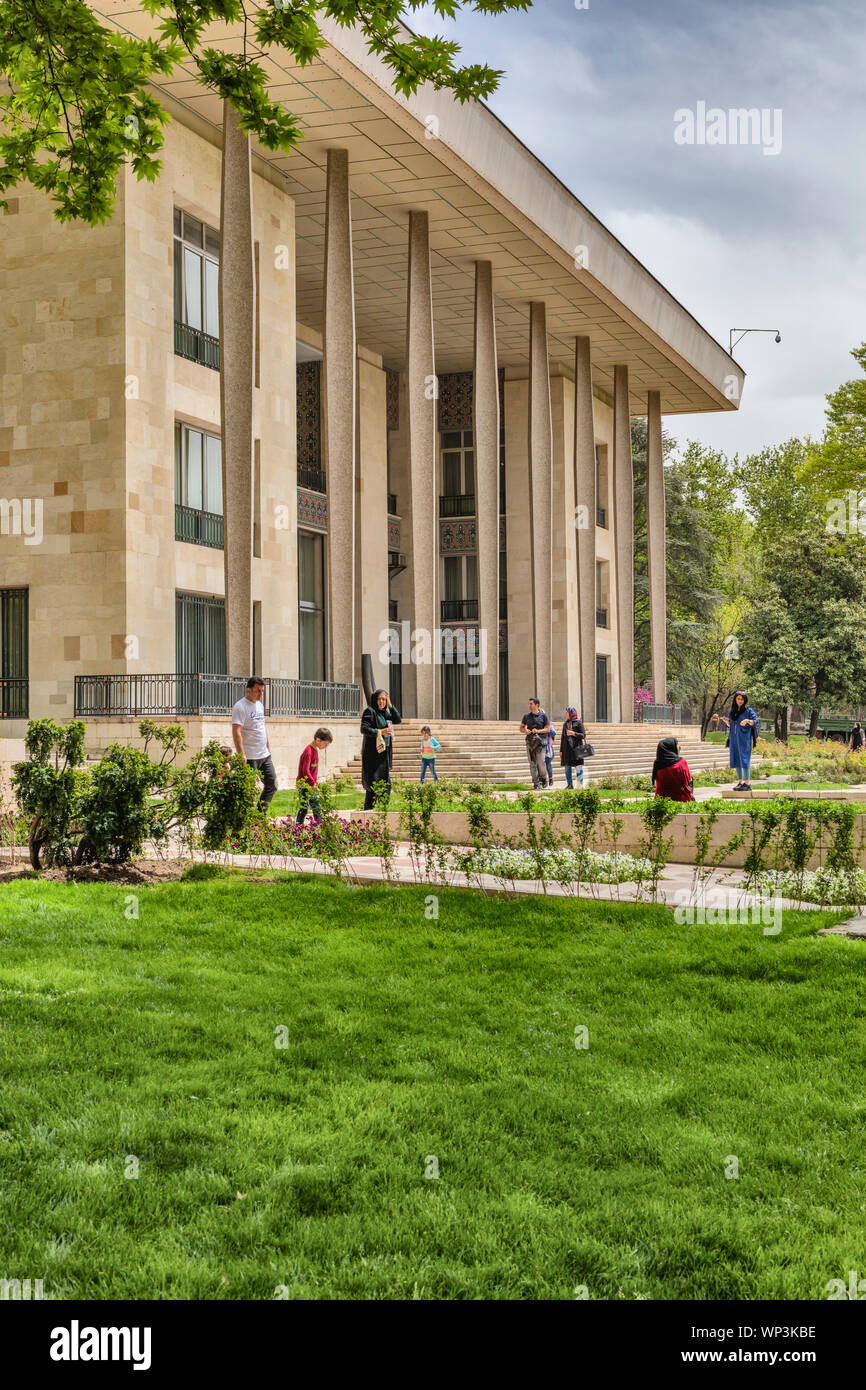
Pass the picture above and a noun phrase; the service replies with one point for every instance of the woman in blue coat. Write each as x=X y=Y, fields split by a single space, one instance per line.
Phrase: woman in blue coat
x=743 y=725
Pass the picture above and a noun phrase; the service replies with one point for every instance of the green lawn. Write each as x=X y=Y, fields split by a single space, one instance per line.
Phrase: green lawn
x=407 y=1039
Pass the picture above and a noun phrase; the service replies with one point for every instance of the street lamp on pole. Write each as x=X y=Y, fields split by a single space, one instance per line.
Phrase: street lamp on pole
x=732 y=341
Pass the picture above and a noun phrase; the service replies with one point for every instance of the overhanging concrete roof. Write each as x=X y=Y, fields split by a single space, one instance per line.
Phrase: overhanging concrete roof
x=487 y=197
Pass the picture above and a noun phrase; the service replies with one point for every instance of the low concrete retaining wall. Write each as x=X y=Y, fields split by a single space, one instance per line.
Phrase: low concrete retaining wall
x=454 y=826
x=288 y=737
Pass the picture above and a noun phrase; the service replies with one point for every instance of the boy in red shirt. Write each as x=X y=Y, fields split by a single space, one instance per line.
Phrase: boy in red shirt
x=308 y=776
x=670 y=774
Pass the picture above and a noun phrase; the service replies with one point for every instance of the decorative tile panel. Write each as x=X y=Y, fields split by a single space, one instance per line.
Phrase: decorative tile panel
x=503 y=637
x=455 y=401
x=502 y=541
x=309 y=414
x=392 y=399
x=457 y=537
x=313 y=510
x=393 y=535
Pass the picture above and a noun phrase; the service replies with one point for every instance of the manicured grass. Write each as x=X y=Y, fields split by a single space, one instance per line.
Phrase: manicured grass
x=410 y=1039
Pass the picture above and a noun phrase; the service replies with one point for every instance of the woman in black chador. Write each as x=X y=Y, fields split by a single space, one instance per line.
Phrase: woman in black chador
x=377 y=723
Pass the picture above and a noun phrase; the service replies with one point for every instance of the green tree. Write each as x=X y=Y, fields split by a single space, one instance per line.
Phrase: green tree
x=802 y=635
x=79 y=104
x=839 y=462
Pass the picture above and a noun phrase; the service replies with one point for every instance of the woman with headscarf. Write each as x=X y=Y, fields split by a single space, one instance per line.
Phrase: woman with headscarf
x=743 y=725
x=571 y=741
x=670 y=775
x=377 y=723
x=856 y=738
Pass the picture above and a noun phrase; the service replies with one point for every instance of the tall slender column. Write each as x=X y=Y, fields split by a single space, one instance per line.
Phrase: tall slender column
x=485 y=396
x=623 y=496
x=339 y=416
x=540 y=464
x=655 y=544
x=237 y=307
x=585 y=501
x=421 y=421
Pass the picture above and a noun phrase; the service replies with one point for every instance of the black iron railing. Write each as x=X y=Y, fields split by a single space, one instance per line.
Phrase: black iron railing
x=203 y=694
x=601 y=617
x=458 y=610
x=462 y=504
x=14 y=697
x=658 y=714
x=313 y=479
x=200 y=528
x=196 y=346
x=396 y=562
x=392 y=504
x=601 y=517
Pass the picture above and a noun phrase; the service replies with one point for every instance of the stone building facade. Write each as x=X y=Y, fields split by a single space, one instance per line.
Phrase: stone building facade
x=370 y=399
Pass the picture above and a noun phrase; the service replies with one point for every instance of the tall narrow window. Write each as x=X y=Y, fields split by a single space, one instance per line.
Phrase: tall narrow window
x=196 y=290
x=198 y=486
x=311 y=605
x=601 y=499
x=14 y=653
x=457 y=497
x=257 y=501
x=602 y=593
x=258 y=665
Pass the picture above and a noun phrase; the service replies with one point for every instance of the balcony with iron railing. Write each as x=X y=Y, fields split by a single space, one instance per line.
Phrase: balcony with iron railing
x=313 y=479
x=196 y=346
x=14 y=697
x=197 y=527
x=113 y=697
x=458 y=610
x=459 y=504
x=658 y=714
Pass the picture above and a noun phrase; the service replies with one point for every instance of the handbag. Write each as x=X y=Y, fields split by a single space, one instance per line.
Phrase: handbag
x=534 y=743
x=585 y=750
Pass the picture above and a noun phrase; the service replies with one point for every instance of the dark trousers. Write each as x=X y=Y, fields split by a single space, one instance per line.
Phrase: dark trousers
x=371 y=797
x=266 y=767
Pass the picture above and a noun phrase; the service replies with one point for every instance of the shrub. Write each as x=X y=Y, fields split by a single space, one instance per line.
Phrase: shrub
x=106 y=812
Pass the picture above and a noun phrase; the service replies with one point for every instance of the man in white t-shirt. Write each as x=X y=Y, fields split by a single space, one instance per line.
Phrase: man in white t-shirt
x=251 y=739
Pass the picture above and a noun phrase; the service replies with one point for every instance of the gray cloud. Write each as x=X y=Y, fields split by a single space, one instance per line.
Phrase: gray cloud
x=739 y=237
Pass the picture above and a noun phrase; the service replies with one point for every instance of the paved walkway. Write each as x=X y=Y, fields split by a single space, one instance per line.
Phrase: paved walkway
x=719 y=894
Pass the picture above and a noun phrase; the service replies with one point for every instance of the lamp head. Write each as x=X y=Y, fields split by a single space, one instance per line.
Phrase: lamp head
x=778 y=337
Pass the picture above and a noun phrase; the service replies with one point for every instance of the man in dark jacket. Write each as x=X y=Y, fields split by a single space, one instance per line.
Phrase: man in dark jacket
x=536 y=727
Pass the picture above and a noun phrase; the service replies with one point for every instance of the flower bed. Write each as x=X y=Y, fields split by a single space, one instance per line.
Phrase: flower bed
x=559 y=865
x=845 y=888
x=286 y=837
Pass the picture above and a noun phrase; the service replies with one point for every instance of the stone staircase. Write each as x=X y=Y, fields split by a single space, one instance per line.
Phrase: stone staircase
x=495 y=751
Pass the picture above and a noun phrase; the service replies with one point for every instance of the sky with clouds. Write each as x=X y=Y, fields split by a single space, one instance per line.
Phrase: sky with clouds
x=741 y=238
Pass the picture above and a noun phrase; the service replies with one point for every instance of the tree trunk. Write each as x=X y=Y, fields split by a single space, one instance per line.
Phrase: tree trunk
x=785 y=723
x=813 y=721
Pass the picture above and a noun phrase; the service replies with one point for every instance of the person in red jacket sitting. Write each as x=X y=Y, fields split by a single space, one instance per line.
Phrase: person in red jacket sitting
x=308 y=776
x=670 y=774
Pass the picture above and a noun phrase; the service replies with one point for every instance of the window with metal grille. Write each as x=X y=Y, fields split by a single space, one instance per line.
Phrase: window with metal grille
x=14 y=653
x=457 y=497
x=311 y=606
x=200 y=634
x=196 y=289
x=198 y=486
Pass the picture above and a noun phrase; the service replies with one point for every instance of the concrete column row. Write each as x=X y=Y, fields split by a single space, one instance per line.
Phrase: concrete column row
x=237 y=382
